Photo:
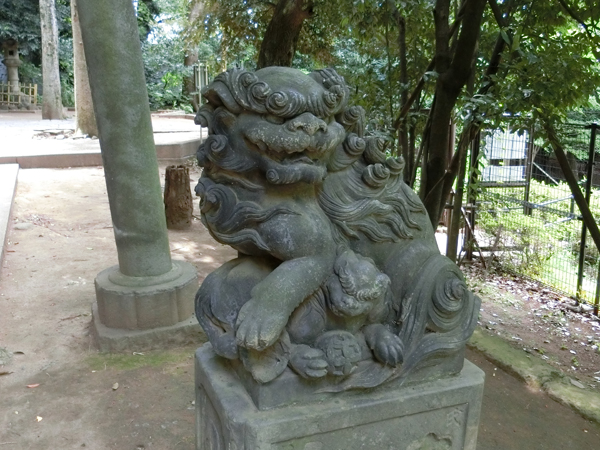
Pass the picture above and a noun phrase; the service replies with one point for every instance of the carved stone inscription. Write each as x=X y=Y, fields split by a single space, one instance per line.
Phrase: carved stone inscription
x=422 y=431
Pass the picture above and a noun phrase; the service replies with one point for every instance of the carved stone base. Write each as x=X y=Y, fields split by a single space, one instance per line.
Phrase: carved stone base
x=441 y=414
x=142 y=303
x=116 y=340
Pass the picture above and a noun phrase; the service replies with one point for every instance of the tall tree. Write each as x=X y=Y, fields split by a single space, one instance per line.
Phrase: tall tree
x=190 y=57
x=453 y=63
x=52 y=107
x=409 y=61
x=85 y=120
x=282 y=34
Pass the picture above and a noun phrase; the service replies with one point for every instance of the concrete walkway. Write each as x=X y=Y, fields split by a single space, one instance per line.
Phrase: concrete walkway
x=175 y=135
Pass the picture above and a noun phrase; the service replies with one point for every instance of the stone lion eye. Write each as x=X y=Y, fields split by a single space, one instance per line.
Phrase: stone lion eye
x=274 y=119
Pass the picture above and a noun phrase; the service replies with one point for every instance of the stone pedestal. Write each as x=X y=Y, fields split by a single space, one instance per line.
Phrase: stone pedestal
x=145 y=313
x=440 y=414
x=138 y=303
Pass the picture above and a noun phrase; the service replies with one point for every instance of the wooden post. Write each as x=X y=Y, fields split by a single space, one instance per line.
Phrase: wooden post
x=178 y=198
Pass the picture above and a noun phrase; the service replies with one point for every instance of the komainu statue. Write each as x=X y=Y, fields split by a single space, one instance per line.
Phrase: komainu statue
x=338 y=276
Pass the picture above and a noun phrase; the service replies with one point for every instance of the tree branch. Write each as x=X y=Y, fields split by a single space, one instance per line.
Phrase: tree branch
x=581 y=22
x=417 y=90
x=497 y=13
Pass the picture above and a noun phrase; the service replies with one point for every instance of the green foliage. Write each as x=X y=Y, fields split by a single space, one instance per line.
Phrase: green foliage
x=521 y=242
x=30 y=73
x=20 y=20
x=163 y=63
x=67 y=83
x=147 y=12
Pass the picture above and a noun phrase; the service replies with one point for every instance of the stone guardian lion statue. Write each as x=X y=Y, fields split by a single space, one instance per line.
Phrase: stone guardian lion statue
x=338 y=276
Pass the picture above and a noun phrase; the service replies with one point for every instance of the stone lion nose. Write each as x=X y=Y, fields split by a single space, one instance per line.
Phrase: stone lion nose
x=308 y=123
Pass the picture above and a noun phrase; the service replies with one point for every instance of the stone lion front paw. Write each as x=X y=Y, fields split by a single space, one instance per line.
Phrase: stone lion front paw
x=386 y=346
x=308 y=362
x=258 y=327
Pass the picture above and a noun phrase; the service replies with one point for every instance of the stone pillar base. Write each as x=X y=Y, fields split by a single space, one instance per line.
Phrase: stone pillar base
x=115 y=340
x=134 y=313
x=139 y=303
x=441 y=414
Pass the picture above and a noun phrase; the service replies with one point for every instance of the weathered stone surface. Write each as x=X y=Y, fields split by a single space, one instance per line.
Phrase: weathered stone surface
x=339 y=277
x=441 y=414
x=120 y=98
x=137 y=303
x=179 y=205
x=117 y=340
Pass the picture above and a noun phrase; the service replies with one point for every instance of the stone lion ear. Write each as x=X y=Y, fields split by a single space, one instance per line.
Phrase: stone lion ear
x=316 y=76
x=222 y=120
x=204 y=116
x=218 y=94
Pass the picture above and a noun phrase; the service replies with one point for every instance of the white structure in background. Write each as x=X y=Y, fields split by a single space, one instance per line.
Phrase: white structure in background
x=3 y=71
x=505 y=147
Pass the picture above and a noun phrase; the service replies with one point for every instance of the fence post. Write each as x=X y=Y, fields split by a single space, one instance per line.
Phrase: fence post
x=528 y=170
x=594 y=127
x=472 y=196
x=588 y=192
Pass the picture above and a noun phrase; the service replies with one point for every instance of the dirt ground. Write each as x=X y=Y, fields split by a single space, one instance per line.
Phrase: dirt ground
x=58 y=392
x=541 y=322
x=61 y=237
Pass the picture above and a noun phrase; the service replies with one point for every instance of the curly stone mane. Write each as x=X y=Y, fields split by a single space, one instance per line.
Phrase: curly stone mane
x=362 y=191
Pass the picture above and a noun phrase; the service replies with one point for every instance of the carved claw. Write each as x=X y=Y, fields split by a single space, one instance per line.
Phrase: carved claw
x=258 y=327
x=225 y=346
x=308 y=362
x=386 y=346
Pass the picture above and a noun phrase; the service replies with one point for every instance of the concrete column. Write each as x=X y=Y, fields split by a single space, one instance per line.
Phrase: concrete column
x=146 y=290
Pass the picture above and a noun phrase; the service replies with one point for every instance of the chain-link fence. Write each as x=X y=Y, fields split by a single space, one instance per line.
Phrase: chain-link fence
x=526 y=217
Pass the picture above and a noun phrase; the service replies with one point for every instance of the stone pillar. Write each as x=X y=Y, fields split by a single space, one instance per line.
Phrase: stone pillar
x=12 y=63
x=146 y=290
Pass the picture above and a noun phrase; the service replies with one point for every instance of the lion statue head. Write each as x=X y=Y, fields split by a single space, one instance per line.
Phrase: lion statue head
x=278 y=121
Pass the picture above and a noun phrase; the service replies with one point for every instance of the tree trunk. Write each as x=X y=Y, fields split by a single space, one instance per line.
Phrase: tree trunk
x=190 y=50
x=190 y=59
x=453 y=70
x=85 y=120
x=52 y=107
x=281 y=37
x=403 y=142
x=471 y=128
x=178 y=198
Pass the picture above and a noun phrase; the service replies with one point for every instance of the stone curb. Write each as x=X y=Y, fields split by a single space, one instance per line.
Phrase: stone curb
x=538 y=374
x=171 y=153
x=8 y=187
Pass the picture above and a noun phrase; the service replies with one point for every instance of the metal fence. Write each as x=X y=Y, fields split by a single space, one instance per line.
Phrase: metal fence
x=525 y=215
